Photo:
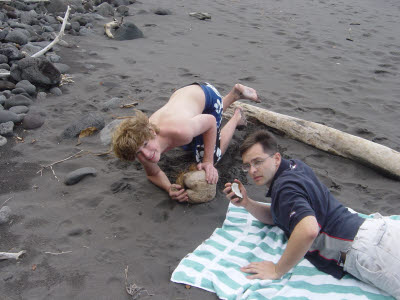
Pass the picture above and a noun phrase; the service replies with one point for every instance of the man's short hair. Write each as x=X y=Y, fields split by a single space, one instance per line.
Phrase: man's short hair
x=263 y=137
x=131 y=134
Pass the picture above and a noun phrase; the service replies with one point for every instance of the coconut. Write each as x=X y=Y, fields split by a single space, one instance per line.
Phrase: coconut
x=197 y=188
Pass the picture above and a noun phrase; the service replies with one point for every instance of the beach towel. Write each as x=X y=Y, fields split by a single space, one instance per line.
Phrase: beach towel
x=214 y=266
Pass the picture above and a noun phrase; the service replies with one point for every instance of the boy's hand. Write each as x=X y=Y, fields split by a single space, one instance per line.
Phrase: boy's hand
x=176 y=192
x=211 y=172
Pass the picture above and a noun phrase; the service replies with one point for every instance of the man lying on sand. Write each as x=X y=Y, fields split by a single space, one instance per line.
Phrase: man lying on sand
x=191 y=118
x=318 y=226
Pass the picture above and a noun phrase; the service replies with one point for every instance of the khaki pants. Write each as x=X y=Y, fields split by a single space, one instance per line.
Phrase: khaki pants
x=374 y=256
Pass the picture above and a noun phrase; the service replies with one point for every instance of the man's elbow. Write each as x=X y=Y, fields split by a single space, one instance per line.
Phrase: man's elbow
x=312 y=233
x=311 y=228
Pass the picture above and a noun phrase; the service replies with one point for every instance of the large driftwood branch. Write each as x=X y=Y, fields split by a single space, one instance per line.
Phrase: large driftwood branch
x=328 y=139
x=58 y=37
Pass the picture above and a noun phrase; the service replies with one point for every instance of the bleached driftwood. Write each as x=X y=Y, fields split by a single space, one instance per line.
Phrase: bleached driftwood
x=7 y=255
x=110 y=25
x=62 y=20
x=58 y=37
x=328 y=139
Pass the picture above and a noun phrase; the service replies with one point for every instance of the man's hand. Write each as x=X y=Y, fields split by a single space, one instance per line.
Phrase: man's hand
x=232 y=196
x=176 y=192
x=261 y=270
x=211 y=172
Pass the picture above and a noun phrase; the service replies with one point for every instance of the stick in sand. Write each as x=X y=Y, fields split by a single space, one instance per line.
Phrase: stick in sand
x=132 y=289
x=328 y=139
x=7 y=255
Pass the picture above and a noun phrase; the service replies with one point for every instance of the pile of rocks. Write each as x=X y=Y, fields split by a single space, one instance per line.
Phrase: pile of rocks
x=25 y=29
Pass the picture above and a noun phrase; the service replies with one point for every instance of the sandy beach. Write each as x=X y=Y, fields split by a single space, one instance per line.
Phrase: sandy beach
x=332 y=63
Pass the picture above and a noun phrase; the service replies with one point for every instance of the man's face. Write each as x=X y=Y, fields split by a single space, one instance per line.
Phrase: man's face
x=262 y=165
x=149 y=151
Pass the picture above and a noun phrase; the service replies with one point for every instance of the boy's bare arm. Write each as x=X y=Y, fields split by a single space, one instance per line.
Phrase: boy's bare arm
x=206 y=125
x=158 y=178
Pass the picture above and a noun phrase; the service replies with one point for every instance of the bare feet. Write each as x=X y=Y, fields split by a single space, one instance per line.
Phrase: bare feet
x=245 y=92
x=241 y=117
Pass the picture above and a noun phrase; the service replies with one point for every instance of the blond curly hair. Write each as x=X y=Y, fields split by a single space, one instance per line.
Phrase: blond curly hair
x=131 y=134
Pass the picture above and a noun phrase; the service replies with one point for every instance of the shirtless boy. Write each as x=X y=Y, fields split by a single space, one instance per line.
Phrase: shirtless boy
x=191 y=118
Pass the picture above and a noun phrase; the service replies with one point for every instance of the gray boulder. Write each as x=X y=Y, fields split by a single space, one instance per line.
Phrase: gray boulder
x=29 y=18
x=81 y=19
x=122 y=10
x=62 y=68
x=113 y=103
x=5 y=67
x=38 y=71
x=21 y=109
x=10 y=51
x=17 y=100
x=18 y=91
x=3 y=59
x=107 y=132
x=6 y=129
x=77 y=175
x=33 y=121
x=8 y=116
x=105 y=9
x=3 y=17
x=27 y=86
x=31 y=49
x=56 y=6
x=5 y=213
x=56 y=91
x=118 y=3
x=128 y=31
x=3 y=141
x=6 y=85
x=86 y=121
x=17 y=36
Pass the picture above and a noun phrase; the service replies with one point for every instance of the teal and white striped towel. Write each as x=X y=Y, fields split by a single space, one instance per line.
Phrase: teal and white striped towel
x=214 y=266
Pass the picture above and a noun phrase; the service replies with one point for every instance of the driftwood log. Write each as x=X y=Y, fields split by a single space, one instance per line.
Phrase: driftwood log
x=377 y=156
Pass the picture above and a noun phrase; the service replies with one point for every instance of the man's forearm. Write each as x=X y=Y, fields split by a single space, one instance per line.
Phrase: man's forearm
x=299 y=243
x=260 y=211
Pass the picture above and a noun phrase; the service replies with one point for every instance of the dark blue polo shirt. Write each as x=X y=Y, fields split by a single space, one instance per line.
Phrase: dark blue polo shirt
x=296 y=193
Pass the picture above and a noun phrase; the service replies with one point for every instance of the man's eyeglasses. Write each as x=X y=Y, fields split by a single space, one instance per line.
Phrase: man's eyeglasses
x=256 y=163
